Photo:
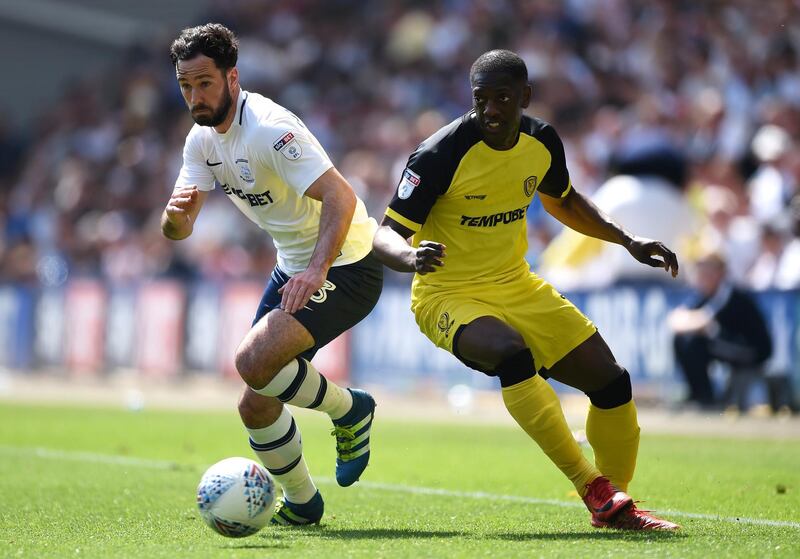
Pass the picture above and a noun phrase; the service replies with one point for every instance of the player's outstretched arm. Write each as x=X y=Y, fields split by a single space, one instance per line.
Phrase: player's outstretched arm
x=391 y=247
x=579 y=213
x=179 y=216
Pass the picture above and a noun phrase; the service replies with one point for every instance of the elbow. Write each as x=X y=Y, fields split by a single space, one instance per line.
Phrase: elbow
x=343 y=198
x=381 y=245
x=351 y=201
x=379 y=239
x=347 y=205
x=170 y=232
x=173 y=236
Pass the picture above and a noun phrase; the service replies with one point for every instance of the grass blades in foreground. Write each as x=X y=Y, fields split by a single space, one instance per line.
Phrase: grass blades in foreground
x=80 y=482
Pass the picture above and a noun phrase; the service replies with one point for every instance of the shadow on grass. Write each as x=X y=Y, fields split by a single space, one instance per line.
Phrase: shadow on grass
x=256 y=546
x=411 y=534
x=595 y=535
x=268 y=539
x=387 y=534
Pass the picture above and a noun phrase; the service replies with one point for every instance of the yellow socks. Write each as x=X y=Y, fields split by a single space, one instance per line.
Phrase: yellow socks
x=535 y=407
x=614 y=436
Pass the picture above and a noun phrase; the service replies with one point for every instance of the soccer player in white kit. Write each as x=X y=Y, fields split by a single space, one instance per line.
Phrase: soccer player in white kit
x=326 y=279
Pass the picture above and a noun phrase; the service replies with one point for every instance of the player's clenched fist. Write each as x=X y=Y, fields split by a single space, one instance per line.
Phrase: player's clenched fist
x=182 y=204
x=182 y=208
x=428 y=256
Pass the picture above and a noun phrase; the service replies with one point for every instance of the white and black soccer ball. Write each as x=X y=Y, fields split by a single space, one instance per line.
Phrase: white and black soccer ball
x=236 y=497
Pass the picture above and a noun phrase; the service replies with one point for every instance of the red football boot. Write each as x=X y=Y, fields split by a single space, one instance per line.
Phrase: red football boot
x=604 y=500
x=631 y=518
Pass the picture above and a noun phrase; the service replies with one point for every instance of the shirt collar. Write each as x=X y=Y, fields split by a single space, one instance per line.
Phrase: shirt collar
x=240 y=108
x=238 y=118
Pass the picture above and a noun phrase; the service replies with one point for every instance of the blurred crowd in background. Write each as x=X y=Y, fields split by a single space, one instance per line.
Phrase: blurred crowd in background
x=681 y=119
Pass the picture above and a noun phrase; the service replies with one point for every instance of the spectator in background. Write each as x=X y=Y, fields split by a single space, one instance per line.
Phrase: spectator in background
x=729 y=227
x=772 y=185
x=788 y=274
x=721 y=324
x=646 y=194
x=763 y=273
x=607 y=74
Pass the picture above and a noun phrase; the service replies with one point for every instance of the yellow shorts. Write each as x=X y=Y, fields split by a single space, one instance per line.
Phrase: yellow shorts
x=550 y=324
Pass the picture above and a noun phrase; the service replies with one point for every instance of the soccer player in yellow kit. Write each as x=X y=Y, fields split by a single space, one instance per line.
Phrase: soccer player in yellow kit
x=462 y=200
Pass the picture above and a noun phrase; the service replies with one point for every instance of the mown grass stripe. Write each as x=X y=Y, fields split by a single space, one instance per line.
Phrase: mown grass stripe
x=554 y=502
x=80 y=456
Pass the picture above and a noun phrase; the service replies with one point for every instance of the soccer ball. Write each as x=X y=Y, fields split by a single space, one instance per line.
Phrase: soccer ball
x=236 y=497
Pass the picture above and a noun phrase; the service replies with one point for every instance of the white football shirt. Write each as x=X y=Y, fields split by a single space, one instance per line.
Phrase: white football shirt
x=264 y=163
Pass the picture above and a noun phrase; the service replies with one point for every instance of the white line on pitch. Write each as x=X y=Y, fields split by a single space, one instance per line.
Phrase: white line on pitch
x=78 y=456
x=552 y=502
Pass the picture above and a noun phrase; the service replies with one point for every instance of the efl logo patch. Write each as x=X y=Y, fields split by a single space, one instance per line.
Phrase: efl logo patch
x=288 y=137
x=408 y=183
x=288 y=146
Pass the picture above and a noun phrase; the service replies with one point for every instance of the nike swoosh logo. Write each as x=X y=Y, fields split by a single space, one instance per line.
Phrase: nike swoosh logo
x=210 y=164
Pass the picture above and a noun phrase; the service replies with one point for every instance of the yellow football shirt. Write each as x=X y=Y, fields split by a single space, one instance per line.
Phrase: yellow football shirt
x=458 y=191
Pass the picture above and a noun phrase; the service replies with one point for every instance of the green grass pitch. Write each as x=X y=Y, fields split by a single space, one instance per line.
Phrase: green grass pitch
x=79 y=482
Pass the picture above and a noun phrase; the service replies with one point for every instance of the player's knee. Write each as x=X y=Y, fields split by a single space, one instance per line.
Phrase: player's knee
x=248 y=410
x=614 y=394
x=516 y=367
x=507 y=348
x=251 y=366
x=257 y=411
x=244 y=363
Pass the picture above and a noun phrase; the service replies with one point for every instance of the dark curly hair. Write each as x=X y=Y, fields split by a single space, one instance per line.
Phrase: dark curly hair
x=502 y=61
x=213 y=40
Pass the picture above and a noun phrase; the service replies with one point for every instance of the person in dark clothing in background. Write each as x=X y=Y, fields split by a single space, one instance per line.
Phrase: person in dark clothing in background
x=722 y=323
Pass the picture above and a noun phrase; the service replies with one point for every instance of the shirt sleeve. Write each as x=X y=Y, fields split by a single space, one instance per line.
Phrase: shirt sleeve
x=194 y=171
x=420 y=185
x=556 y=181
x=295 y=155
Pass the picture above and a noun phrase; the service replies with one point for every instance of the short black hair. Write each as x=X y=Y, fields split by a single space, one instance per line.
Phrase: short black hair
x=500 y=60
x=213 y=40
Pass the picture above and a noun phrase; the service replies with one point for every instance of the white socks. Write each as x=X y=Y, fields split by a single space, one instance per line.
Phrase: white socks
x=280 y=449
x=301 y=385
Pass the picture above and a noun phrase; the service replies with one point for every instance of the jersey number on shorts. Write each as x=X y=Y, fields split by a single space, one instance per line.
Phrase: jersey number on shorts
x=322 y=293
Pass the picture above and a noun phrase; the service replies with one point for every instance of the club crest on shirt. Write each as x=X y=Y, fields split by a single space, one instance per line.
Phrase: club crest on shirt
x=445 y=324
x=244 y=171
x=408 y=183
x=529 y=186
x=288 y=146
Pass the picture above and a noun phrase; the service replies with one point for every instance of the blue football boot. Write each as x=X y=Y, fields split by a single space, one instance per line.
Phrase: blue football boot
x=352 y=438
x=291 y=514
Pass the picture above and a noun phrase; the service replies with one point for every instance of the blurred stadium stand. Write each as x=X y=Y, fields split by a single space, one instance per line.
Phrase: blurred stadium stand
x=93 y=126
x=57 y=42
